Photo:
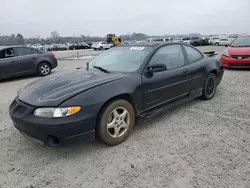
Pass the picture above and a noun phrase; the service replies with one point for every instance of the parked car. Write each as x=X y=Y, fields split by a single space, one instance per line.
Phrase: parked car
x=237 y=54
x=102 y=45
x=126 y=82
x=186 y=40
x=222 y=41
x=205 y=41
x=17 y=61
x=79 y=46
x=196 y=41
x=169 y=39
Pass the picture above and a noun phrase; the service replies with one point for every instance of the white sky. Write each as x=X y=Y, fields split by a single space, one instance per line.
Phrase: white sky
x=34 y=18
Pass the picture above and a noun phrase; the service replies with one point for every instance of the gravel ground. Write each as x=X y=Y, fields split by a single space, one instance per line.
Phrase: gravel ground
x=200 y=144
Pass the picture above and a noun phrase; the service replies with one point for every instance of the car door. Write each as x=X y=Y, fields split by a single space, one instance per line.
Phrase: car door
x=26 y=58
x=170 y=85
x=7 y=60
x=197 y=67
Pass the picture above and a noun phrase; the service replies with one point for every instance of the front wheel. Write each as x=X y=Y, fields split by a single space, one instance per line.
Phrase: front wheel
x=217 y=44
x=116 y=122
x=210 y=87
x=44 y=69
x=101 y=48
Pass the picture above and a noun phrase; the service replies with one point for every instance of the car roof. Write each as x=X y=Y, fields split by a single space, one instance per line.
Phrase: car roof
x=150 y=44
x=4 y=47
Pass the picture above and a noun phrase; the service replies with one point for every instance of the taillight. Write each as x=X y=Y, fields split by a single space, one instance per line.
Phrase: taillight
x=53 y=54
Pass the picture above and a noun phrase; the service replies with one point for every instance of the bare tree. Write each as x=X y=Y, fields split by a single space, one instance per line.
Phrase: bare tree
x=54 y=35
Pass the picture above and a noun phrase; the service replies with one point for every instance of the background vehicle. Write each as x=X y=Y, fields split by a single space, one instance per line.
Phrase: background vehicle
x=126 y=82
x=113 y=39
x=222 y=42
x=237 y=54
x=79 y=46
x=186 y=40
x=196 y=41
x=17 y=61
x=102 y=45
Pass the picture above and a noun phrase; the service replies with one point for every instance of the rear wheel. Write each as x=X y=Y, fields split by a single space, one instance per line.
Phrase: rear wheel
x=216 y=44
x=44 y=69
x=210 y=87
x=116 y=122
x=101 y=48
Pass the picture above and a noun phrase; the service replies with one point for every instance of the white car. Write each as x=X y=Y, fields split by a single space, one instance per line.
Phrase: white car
x=102 y=46
x=222 y=42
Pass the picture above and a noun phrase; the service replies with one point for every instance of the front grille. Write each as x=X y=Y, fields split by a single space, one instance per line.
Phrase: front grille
x=20 y=110
x=17 y=108
x=239 y=64
x=240 y=56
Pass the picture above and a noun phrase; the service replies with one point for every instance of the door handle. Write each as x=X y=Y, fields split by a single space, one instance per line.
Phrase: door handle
x=185 y=71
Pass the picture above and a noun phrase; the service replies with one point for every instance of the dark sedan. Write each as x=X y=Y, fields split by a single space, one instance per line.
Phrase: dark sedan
x=17 y=61
x=115 y=88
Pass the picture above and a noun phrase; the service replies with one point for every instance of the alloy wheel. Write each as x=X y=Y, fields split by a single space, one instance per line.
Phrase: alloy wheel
x=45 y=69
x=118 y=122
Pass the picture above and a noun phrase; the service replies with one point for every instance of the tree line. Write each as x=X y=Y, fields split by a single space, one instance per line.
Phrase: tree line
x=19 y=39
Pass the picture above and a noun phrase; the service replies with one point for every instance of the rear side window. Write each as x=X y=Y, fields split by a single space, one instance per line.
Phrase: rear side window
x=25 y=51
x=7 y=53
x=193 y=55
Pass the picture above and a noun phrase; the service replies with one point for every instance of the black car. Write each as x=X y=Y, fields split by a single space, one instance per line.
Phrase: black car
x=115 y=88
x=17 y=61
x=79 y=46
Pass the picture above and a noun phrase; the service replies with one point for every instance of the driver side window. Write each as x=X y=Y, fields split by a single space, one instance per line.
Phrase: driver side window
x=170 y=55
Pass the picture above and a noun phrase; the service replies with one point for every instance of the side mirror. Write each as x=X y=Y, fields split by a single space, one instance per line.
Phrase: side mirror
x=226 y=45
x=159 y=67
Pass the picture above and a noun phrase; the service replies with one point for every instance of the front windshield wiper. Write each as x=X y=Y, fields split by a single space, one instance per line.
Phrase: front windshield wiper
x=101 y=69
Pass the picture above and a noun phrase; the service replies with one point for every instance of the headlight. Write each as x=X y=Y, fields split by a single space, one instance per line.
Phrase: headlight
x=56 y=112
x=225 y=53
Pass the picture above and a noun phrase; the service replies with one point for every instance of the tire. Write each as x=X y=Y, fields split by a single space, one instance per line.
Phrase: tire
x=44 y=69
x=217 y=44
x=118 y=131
x=208 y=93
x=101 y=48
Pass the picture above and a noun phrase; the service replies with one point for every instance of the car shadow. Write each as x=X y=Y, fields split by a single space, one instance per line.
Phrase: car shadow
x=238 y=69
x=22 y=78
x=97 y=145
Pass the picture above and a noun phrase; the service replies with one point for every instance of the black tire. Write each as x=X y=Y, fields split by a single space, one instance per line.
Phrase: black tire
x=217 y=44
x=209 y=88
x=42 y=67
x=106 y=134
x=101 y=48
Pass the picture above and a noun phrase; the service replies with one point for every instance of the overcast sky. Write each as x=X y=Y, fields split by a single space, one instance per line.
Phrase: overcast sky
x=98 y=17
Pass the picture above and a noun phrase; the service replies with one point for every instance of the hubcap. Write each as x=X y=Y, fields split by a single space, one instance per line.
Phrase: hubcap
x=118 y=122
x=45 y=69
x=210 y=86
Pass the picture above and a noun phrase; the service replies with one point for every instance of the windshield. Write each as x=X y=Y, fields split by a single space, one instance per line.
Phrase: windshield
x=122 y=59
x=241 y=42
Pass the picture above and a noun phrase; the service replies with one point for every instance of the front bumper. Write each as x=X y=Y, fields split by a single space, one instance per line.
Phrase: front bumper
x=229 y=62
x=52 y=131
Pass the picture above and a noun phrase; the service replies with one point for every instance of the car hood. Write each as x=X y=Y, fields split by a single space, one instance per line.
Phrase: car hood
x=238 y=50
x=55 y=89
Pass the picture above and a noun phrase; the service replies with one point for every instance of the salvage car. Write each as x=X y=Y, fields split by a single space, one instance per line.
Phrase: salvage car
x=115 y=88
x=18 y=61
x=102 y=45
x=237 y=54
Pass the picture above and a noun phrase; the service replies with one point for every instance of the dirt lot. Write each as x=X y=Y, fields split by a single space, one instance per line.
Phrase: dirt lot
x=200 y=144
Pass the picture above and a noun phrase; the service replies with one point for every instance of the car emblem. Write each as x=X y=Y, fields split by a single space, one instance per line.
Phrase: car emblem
x=239 y=57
